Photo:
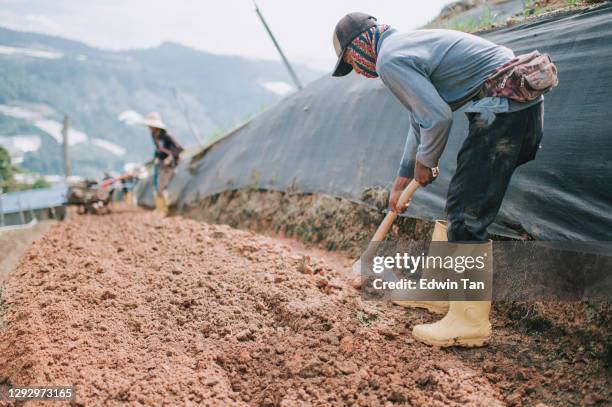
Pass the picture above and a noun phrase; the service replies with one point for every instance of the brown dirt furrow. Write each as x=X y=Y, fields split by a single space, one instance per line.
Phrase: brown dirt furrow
x=132 y=307
x=15 y=242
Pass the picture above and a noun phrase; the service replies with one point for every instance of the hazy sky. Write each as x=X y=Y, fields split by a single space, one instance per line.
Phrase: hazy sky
x=303 y=28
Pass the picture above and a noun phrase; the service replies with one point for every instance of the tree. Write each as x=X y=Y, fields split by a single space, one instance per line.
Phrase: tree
x=7 y=171
x=7 y=175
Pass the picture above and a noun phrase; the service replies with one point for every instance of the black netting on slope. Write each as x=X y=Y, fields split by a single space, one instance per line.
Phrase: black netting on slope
x=340 y=136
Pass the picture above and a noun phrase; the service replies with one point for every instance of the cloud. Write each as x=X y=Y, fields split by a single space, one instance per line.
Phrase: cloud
x=34 y=53
x=303 y=28
x=42 y=22
x=30 y=22
x=280 y=88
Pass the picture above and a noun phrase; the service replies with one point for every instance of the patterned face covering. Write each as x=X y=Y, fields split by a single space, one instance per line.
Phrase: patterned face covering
x=361 y=53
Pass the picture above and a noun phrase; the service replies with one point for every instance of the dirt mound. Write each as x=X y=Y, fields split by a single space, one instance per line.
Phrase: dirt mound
x=135 y=308
x=13 y=243
x=328 y=222
x=132 y=307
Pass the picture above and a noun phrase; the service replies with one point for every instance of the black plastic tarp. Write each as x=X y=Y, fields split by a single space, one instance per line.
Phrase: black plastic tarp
x=340 y=136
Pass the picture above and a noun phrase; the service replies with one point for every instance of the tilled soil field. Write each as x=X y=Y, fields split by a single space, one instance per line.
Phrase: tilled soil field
x=132 y=308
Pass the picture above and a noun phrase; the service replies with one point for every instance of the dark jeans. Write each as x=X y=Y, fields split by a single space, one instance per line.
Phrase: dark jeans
x=494 y=148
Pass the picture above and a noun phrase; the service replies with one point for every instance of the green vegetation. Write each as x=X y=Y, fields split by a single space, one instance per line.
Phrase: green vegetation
x=6 y=168
x=8 y=172
x=369 y=316
x=535 y=8
x=486 y=21
x=458 y=15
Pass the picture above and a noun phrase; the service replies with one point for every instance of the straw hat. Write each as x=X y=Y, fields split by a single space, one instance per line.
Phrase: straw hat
x=154 y=119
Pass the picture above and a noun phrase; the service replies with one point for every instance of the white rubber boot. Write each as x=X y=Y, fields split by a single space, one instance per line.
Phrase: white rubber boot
x=437 y=307
x=129 y=198
x=466 y=323
x=161 y=205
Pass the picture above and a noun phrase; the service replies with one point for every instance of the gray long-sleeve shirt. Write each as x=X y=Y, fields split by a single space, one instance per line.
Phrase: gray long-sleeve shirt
x=429 y=70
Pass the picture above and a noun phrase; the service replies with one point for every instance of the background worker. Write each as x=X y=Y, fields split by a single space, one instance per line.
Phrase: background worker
x=432 y=73
x=165 y=159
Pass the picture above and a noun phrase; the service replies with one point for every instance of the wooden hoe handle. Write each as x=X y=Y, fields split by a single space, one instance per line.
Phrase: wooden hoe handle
x=404 y=200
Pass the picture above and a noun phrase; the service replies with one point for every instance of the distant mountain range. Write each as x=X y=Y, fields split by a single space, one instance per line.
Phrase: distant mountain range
x=44 y=77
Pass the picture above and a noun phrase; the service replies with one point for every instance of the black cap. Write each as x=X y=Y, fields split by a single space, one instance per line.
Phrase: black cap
x=347 y=29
